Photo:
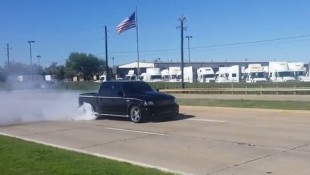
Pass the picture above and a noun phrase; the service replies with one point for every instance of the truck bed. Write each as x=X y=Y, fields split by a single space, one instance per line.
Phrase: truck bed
x=90 y=98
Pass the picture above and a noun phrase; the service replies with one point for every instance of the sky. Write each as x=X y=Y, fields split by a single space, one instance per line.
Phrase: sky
x=221 y=30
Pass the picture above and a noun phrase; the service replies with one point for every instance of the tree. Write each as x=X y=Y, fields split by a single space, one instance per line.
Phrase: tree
x=17 y=68
x=58 y=71
x=2 y=75
x=85 y=65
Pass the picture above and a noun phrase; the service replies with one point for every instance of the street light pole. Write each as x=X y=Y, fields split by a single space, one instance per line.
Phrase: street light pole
x=31 y=58
x=189 y=50
x=38 y=56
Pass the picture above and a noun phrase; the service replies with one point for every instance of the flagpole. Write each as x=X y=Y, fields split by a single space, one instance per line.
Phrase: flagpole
x=137 y=34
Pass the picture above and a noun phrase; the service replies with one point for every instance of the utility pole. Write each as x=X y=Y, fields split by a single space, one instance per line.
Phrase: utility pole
x=189 y=48
x=182 y=19
x=106 y=52
x=31 y=58
x=8 y=54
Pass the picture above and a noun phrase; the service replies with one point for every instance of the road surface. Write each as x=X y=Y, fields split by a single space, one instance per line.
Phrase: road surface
x=204 y=140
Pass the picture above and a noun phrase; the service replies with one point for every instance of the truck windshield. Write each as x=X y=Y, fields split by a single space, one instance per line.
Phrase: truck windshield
x=208 y=75
x=258 y=75
x=137 y=87
x=153 y=77
x=285 y=74
x=300 y=73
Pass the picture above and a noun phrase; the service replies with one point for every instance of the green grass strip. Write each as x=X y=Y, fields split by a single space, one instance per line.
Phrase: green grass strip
x=289 y=105
x=20 y=157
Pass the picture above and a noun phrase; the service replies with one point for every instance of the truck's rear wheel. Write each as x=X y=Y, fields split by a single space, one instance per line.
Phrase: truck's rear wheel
x=88 y=110
x=135 y=114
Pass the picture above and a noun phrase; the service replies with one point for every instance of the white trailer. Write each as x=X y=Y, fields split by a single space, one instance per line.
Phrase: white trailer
x=188 y=74
x=299 y=71
x=255 y=73
x=165 y=75
x=228 y=74
x=151 y=75
x=280 y=72
x=173 y=74
x=205 y=75
x=102 y=78
x=131 y=75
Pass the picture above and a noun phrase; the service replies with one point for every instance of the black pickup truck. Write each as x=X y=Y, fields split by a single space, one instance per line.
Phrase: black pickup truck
x=134 y=99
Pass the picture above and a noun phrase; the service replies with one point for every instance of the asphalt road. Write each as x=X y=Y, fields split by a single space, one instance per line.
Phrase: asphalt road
x=217 y=141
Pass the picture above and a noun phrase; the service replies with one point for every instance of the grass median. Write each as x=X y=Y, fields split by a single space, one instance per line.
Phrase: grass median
x=20 y=157
x=288 y=105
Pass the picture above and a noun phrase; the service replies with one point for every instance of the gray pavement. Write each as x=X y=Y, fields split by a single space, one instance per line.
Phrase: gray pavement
x=204 y=140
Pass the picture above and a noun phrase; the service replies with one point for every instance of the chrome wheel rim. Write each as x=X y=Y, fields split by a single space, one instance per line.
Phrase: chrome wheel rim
x=135 y=114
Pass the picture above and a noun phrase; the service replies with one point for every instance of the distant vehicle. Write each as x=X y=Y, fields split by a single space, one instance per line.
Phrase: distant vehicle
x=133 y=99
x=131 y=76
x=165 y=75
x=299 y=71
x=188 y=74
x=228 y=74
x=102 y=78
x=151 y=75
x=280 y=72
x=255 y=73
x=205 y=75
x=174 y=72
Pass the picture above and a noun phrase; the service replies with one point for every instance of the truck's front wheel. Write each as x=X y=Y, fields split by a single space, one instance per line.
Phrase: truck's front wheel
x=135 y=114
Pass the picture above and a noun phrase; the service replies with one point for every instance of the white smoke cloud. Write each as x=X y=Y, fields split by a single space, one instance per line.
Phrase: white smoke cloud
x=39 y=105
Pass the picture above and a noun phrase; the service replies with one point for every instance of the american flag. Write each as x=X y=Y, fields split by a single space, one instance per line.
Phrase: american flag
x=128 y=23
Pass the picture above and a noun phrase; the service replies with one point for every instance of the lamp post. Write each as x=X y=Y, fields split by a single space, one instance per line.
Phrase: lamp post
x=189 y=50
x=31 y=58
x=39 y=57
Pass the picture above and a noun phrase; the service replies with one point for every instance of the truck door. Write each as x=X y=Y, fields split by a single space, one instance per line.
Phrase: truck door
x=118 y=102
x=104 y=98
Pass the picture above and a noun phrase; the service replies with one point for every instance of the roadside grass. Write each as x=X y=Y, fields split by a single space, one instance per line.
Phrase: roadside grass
x=20 y=157
x=288 y=105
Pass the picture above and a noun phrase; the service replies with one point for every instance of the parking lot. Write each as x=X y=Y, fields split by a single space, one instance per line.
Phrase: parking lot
x=203 y=140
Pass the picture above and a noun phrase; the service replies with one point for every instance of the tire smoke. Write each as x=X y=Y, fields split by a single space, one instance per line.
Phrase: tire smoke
x=39 y=105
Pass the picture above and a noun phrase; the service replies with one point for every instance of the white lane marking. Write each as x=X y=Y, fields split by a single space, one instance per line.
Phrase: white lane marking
x=137 y=131
x=96 y=154
x=207 y=120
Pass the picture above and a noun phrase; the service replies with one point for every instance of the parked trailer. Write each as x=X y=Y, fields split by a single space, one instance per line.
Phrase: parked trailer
x=280 y=72
x=299 y=71
x=188 y=74
x=151 y=75
x=165 y=75
x=255 y=73
x=228 y=74
x=131 y=75
x=173 y=74
x=205 y=75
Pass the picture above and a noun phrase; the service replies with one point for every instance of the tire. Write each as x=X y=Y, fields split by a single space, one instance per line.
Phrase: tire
x=88 y=111
x=135 y=114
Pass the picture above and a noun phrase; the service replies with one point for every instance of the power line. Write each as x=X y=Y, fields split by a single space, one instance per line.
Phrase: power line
x=220 y=45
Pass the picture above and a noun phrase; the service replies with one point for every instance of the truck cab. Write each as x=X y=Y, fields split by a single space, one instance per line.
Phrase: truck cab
x=255 y=73
x=205 y=75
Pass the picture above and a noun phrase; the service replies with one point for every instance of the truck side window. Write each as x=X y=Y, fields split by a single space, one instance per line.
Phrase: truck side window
x=105 y=89
x=116 y=89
